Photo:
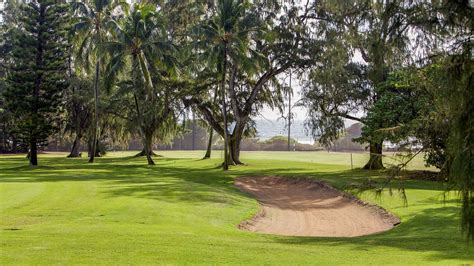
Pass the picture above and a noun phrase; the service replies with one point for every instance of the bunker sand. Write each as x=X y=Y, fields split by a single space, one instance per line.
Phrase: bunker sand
x=305 y=207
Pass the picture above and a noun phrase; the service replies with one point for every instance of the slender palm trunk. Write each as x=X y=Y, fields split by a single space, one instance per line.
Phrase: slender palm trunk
x=148 y=146
x=209 y=145
x=147 y=135
x=211 y=130
x=194 y=132
x=289 y=115
x=224 y=112
x=143 y=133
x=96 y=112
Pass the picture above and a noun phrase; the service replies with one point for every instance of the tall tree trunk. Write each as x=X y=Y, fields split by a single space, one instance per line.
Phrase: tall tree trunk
x=209 y=145
x=33 y=154
x=96 y=112
x=89 y=149
x=146 y=138
x=194 y=132
x=149 y=146
x=234 y=144
x=289 y=115
x=375 y=160
x=147 y=135
x=224 y=111
x=211 y=131
x=75 y=147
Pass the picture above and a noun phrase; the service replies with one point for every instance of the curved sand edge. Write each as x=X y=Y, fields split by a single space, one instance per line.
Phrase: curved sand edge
x=307 y=207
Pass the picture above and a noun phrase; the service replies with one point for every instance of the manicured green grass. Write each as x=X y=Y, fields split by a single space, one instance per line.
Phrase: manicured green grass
x=185 y=210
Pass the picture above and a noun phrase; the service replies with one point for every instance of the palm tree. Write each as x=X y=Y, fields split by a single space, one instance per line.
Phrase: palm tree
x=224 y=40
x=94 y=18
x=142 y=46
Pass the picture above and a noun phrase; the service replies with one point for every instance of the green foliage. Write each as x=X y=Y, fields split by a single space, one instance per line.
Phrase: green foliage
x=399 y=103
x=331 y=94
x=38 y=76
x=143 y=65
x=461 y=148
x=135 y=71
x=456 y=72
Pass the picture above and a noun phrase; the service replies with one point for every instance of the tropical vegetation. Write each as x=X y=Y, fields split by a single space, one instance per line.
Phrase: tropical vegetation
x=101 y=72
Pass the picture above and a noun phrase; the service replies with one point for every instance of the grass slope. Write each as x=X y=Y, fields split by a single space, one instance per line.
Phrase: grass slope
x=185 y=210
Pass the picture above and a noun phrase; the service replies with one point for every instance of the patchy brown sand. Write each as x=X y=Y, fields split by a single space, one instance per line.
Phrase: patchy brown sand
x=305 y=207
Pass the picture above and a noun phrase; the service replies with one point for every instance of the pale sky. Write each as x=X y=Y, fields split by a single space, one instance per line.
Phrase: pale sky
x=300 y=113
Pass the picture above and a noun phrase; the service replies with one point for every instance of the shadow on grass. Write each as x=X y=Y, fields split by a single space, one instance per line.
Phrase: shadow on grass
x=200 y=182
x=434 y=230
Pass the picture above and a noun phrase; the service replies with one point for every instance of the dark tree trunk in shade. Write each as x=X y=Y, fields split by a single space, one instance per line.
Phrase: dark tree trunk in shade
x=209 y=145
x=375 y=160
x=96 y=113
x=75 y=147
x=33 y=154
x=234 y=143
x=149 y=147
x=97 y=150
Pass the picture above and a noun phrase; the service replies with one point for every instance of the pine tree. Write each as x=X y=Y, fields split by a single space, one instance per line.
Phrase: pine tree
x=38 y=77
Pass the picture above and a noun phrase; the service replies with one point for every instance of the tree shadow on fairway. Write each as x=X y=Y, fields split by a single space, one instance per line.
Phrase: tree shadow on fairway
x=202 y=182
x=173 y=179
x=434 y=230
x=342 y=179
x=170 y=180
x=176 y=184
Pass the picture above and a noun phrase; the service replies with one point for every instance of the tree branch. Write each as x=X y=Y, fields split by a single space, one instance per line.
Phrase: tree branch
x=206 y=113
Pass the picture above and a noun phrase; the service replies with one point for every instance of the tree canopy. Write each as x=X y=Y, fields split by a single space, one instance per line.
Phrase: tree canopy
x=101 y=72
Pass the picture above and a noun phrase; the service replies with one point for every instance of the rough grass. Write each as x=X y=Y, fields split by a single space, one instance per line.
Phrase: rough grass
x=185 y=210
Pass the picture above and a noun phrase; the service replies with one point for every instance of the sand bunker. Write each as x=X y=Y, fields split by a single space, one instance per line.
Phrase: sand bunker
x=305 y=207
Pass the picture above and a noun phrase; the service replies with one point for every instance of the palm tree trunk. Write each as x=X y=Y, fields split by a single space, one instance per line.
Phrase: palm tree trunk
x=143 y=133
x=147 y=139
x=96 y=112
x=289 y=115
x=211 y=130
x=148 y=147
x=224 y=111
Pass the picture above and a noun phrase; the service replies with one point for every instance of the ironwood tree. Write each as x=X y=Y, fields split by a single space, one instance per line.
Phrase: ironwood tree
x=35 y=82
x=378 y=33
